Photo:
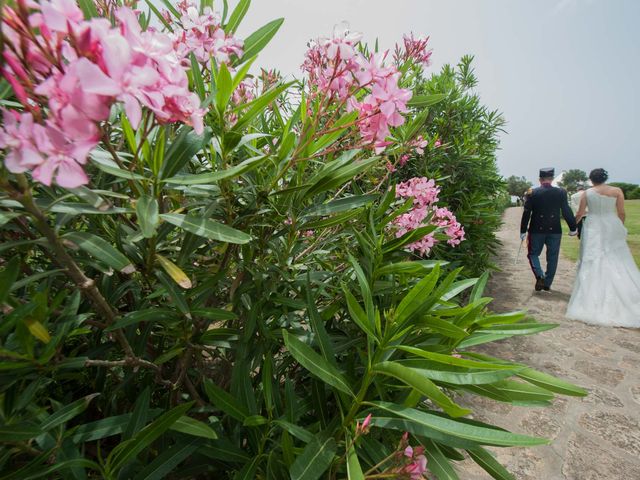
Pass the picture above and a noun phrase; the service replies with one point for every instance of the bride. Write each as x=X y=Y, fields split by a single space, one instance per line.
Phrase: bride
x=607 y=286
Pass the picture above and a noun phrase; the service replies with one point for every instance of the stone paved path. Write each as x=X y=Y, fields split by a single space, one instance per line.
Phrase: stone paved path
x=594 y=438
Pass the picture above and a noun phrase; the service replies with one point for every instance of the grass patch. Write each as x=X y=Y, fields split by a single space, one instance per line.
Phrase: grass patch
x=571 y=245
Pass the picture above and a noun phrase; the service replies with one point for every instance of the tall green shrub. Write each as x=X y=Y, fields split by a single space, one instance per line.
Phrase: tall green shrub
x=463 y=139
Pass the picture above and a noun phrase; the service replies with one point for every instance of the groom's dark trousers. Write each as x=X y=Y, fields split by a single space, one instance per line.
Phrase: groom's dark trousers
x=536 y=242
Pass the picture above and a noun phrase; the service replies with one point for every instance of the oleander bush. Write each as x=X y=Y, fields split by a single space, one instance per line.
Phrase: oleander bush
x=459 y=145
x=208 y=272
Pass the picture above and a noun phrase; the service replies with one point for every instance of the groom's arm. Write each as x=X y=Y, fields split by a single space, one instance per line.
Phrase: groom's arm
x=526 y=214
x=567 y=213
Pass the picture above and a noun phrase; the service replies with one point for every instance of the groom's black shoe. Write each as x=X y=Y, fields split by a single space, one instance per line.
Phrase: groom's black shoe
x=539 y=284
x=546 y=289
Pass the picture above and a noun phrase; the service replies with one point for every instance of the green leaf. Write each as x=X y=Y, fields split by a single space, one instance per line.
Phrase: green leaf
x=19 y=432
x=295 y=430
x=194 y=427
x=464 y=430
x=224 y=84
x=315 y=459
x=212 y=177
x=148 y=315
x=196 y=74
x=357 y=313
x=224 y=401
x=340 y=127
x=489 y=464
x=458 y=287
x=175 y=294
x=478 y=288
x=339 y=219
x=501 y=318
x=127 y=451
x=259 y=39
x=138 y=417
x=109 y=166
x=341 y=175
x=354 y=470
x=551 y=383
x=46 y=470
x=186 y=145
x=255 y=421
x=407 y=238
x=418 y=381
x=147 y=213
x=213 y=314
x=158 y=15
x=402 y=425
x=444 y=327
x=257 y=106
x=248 y=472
x=8 y=276
x=236 y=16
x=168 y=460
x=206 y=228
x=239 y=76
x=168 y=355
x=409 y=268
x=413 y=301
x=438 y=463
x=6 y=217
x=315 y=364
x=450 y=360
x=423 y=101
x=514 y=392
x=102 y=250
x=525 y=328
x=99 y=429
x=88 y=8
x=459 y=376
x=67 y=412
x=341 y=205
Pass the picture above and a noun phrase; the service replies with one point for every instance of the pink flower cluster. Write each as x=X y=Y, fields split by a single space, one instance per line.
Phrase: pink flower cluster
x=445 y=219
x=79 y=69
x=424 y=193
x=338 y=71
x=414 y=49
x=203 y=35
x=417 y=466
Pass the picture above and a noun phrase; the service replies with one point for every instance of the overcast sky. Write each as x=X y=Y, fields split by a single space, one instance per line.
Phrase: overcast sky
x=565 y=73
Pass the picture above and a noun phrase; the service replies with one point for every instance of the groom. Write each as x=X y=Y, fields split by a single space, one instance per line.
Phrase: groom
x=541 y=218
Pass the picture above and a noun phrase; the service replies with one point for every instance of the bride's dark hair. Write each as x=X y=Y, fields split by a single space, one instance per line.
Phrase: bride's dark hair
x=598 y=175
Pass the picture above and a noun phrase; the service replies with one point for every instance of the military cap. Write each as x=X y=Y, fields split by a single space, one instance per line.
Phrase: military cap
x=547 y=172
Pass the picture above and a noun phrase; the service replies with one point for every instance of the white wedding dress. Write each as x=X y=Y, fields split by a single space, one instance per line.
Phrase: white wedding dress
x=607 y=285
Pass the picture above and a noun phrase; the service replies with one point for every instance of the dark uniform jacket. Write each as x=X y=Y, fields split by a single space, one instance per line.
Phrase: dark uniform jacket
x=543 y=207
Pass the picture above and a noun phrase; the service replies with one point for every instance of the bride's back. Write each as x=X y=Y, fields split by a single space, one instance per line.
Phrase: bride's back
x=600 y=203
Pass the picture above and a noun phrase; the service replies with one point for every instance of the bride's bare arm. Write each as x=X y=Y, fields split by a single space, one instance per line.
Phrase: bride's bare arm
x=620 y=205
x=582 y=209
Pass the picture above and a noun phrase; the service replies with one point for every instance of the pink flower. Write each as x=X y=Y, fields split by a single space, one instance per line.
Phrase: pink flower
x=417 y=468
x=404 y=159
x=421 y=189
x=203 y=35
x=364 y=428
x=437 y=143
x=341 y=45
x=419 y=143
x=17 y=136
x=390 y=167
x=59 y=14
x=414 y=49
